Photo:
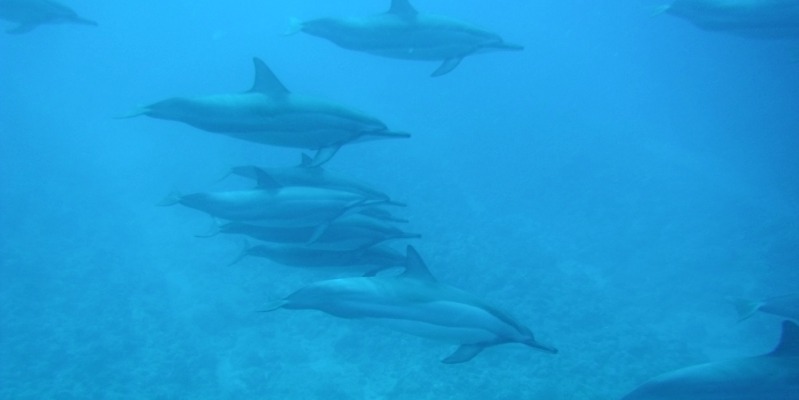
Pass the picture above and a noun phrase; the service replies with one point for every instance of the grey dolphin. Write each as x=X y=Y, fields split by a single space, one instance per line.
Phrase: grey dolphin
x=772 y=376
x=349 y=232
x=416 y=303
x=786 y=306
x=270 y=114
x=293 y=206
x=31 y=13
x=373 y=259
x=306 y=174
x=752 y=18
x=404 y=33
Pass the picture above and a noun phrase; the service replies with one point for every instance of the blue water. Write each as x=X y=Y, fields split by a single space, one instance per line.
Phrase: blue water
x=609 y=186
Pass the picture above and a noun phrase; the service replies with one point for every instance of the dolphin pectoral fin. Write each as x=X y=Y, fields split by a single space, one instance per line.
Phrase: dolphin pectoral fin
x=305 y=161
x=274 y=305
x=324 y=155
x=265 y=180
x=447 y=66
x=245 y=251
x=463 y=354
x=22 y=28
x=170 y=200
x=212 y=231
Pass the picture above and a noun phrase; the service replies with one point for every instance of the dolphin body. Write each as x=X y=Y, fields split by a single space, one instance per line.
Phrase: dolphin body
x=374 y=259
x=306 y=174
x=415 y=302
x=765 y=19
x=772 y=376
x=786 y=306
x=404 y=33
x=31 y=13
x=290 y=207
x=349 y=232
x=269 y=114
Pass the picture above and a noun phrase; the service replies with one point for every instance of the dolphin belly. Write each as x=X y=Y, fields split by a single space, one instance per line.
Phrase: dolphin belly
x=442 y=333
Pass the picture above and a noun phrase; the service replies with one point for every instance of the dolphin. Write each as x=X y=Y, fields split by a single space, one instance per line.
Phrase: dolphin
x=349 y=232
x=306 y=174
x=786 y=306
x=375 y=259
x=415 y=302
x=31 y=13
x=292 y=207
x=771 y=376
x=752 y=18
x=404 y=33
x=269 y=114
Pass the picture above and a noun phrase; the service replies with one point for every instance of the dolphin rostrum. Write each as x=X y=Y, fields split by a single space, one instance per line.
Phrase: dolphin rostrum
x=31 y=13
x=269 y=114
x=415 y=302
x=402 y=32
x=771 y=376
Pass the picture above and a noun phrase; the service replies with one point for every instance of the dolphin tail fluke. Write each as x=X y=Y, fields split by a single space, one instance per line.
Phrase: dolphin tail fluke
x=170 y=200
x=745 y=308
x=212 y=231
x=295 y=25
x=447 y=66
x=463 y=354
x=22 y=28
x=274 y=305
x=324 y=155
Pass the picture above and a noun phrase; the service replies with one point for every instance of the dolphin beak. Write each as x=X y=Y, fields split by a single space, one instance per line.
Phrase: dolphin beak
x=542 y=347
x=135 y=113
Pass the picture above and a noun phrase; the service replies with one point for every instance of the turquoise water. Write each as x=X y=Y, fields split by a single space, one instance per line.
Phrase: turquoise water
x=608 y=186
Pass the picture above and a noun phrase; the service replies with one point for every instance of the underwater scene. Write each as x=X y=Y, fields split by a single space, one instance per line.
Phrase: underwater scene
x=394 y=199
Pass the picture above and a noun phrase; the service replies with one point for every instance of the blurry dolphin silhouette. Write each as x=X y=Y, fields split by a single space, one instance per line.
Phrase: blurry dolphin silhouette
x=270 y=114
x=31 y=13
x=786 y=306
x=771 y=376
x=752 y=18
x=416 y=303
x=404 y=33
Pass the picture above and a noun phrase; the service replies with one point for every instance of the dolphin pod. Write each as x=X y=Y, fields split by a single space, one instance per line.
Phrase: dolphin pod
x=404 y=33
x=771 y=376
x=29 y=14
x=766 y=19
x=416 y=303
x=269 y=114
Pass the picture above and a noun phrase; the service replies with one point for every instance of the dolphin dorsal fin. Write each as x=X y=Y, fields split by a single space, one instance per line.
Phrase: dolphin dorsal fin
x=402 y=8
x=266 y=82
x=789 y=342
x=415 y=267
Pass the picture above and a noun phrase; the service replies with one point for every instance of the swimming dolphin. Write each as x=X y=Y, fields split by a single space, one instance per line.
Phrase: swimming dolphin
x=404 y=33
x=31 y=13
x=349 y=232
x=786 y=306
x=291 y=207
x=752 y=18
x=373 y=259
x=306 y=174
x=772 y=376
x=416 y=303
x=269 y=114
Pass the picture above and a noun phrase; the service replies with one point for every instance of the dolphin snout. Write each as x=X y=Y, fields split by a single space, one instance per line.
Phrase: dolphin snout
x=542 y=347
